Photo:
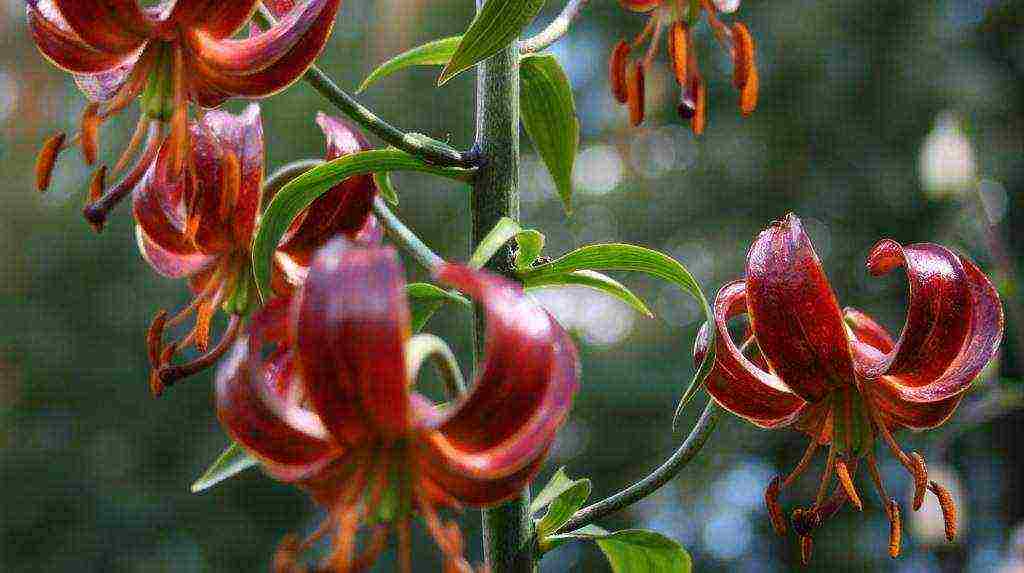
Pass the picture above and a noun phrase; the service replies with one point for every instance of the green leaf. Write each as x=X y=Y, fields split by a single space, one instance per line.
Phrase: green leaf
x=633 y=550
x=425 y=299
x=300 y=192
x=386 y=188
x=231 y=462
x=563 y=508
x=623 y=257
x=499 y=235
x=436 y=53
x=531 y=244
x=595 y=280
x=496 y=25
x=556 y=486
x=549 y=116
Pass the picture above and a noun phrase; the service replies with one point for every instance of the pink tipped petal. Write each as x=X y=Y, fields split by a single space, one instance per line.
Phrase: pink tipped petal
x=256 y=53
x=341 y=138
x=103 y=86
x=95 y=24
x=286 y=69
x=524 y=389
x=938 y=311
x=794 y=312
x=63 y=48
x=169 y=264
x=737 y=383
x=925 y=405
x=241 y=404
x=353 y=321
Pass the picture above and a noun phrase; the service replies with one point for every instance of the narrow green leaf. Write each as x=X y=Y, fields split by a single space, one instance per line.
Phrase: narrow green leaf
x=496 y=25
x=499 y=235
x=549 y=117
x=386 y=188
x=231 y=462
x=425 y=299
x=556 y=486
x=595 y=280
x=633 y=550
x=563 y=508
x=623 y=257
x=436 y=53
x=531 y=245
x=300 y=192
x=585 y=533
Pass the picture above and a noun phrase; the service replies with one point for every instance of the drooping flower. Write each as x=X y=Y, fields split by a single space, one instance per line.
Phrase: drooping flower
x=168 y=56
x=675 y=18
x=321 y=390
x=201 y=226
x=838 y=376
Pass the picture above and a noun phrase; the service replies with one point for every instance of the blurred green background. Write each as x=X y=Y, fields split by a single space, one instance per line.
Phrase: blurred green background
x=877 y=119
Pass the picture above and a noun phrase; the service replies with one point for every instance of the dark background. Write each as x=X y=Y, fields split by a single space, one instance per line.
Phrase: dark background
x=877 y=119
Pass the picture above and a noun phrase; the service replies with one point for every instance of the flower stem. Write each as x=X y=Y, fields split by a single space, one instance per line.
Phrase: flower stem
x=558 y=28
x=659 y=477
x=404 y=237
x=429 y=150
x=508 y=533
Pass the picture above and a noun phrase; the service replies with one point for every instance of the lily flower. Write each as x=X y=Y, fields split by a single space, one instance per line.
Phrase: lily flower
x=321 y=389
x=838 y=376
x=675 y=18
x=201 y=226
x=167 y=56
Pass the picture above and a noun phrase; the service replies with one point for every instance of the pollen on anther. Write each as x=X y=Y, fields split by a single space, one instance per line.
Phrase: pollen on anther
x=895 y=528
x=91 y=121
x=806 y=548
x=617 y=71
x=843 y=473
x=47 y=159
x=948 y=508
x=636 y=94
x=97 y=184
x=771 y=500
x=920 y=472
x=678 y=50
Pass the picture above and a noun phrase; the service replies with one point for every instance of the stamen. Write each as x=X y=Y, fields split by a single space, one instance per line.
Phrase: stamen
x=826 y=478
x=843 y=473
x=646 y=33
x=876 y=477
x=47 y=159
x=806 y=548
x=617 y=71
x=345 y=539
x=231 y=177
x=920 y=473
x=948 y=508
x=373 y=549
x=91 y=121
x=96 y=212
x=652 y=48
x=156 y=384
x=805 y=521
x=771 y=501
x=202 y=328
x=802 y=465
x=135 y=83
x=635 y=94
x=170 y=374
x=179 y=120
x=404 y=547
x=700 y=106
x=97 y=184
x=895 y=528
x=678 y=49
x=286 y=557
x=155 y=336
x=133 y=144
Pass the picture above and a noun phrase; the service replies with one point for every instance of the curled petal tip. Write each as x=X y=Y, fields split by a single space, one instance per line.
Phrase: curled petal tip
x=885 y=256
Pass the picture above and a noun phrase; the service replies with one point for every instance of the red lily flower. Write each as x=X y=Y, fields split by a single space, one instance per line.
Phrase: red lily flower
x=675 y=17
x=172 y=54
x=320 y=389
x=201 y=227
x=838 y=376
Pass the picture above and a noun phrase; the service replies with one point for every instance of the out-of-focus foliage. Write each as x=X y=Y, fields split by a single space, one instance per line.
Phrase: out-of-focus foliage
x=877 y=119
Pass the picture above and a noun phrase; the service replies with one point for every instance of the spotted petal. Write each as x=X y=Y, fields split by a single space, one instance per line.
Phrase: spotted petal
x=795 y=316
x=524 y=389
x=735 y=382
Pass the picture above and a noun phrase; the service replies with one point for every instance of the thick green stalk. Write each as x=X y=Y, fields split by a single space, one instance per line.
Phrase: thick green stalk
x=508 y=529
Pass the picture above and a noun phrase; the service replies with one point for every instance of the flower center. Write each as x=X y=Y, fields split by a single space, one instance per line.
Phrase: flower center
x=158 y=97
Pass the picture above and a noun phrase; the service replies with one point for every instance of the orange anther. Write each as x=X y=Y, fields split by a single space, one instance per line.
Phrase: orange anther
x=678 y=50
x=948 y=508
x=47 y=159
x=91 y=121
x=843 y=473
x=617 y=71
x=806 y=547
x=97 y=184
x=635 y=94
x=895 y=528
x=771 y=500
x=920 y=472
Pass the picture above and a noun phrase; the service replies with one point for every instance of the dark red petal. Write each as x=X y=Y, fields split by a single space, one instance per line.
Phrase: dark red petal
x=94 y=23
x=245 y=380
x=170 y=264
x=471 y=490
x=353 y=321
x=922 y=397
x=257 y=52
x=795 y=316
x=227 y=17
x=524 y=389
x=735 y=382
x=279 y=7
x=286 y=70
x=867 y=330
x=62 y=47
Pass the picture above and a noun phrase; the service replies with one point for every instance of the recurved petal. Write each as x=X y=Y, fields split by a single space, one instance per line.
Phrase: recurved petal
x=287 y=69
x=866 y=330
x=170 y=264
x=279 y=7
x=242 y=135
x=353 y=321
x=94 y=22
x=153 y=202
x=226 y=18
x=245 y=380
x=524 y=389
x=795 y=316
x=63 y=47
x=640 y=5
x=103 y=86
x=735 y=382
x=249 y=55
x=923 y=398
x=474 y=490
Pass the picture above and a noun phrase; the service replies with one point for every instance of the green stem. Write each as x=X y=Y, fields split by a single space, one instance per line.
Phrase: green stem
x=404 y=237
x=427 y=149
x=509 y=545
